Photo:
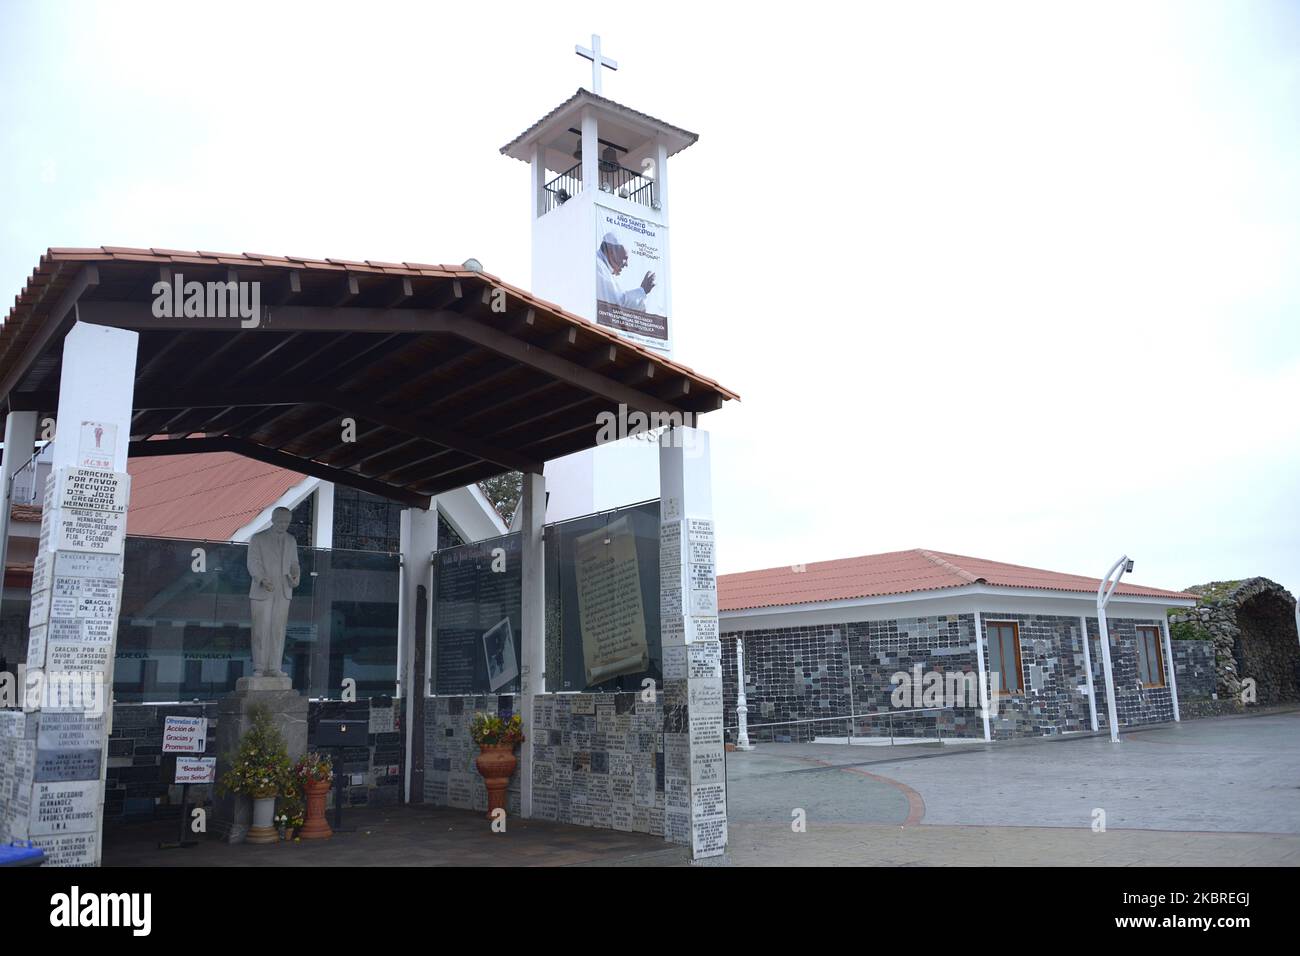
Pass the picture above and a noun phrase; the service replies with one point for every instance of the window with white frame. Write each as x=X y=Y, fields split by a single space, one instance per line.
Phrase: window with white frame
x=1151 y=659
x=1003 y=638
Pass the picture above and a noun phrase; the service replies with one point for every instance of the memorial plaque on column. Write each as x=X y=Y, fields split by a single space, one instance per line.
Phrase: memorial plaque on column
x=694 y=810
x=69 y=849
x=59 y=808
x=76 y=597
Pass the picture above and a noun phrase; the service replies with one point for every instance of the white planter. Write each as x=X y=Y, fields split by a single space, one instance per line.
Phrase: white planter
x=264 y=811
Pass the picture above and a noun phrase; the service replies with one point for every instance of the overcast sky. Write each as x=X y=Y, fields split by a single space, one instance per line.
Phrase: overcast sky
x=1011 y=280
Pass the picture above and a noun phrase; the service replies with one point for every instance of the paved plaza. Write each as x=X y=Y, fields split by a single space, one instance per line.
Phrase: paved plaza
x=1221 y=791
x=1217 y=791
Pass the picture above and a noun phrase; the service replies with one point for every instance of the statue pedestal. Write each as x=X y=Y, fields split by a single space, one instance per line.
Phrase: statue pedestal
x=232 y=813
x=245 y=684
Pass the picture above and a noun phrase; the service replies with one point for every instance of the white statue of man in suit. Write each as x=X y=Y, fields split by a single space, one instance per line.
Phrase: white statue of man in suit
x=273 y=566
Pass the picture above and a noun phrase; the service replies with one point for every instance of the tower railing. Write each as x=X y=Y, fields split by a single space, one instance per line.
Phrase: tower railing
x=614 y=179
x=564 y=187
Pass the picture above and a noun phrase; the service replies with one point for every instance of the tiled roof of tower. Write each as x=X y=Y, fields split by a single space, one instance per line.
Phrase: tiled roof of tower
x=682 y=138
x=899 y=572
x=206 y=497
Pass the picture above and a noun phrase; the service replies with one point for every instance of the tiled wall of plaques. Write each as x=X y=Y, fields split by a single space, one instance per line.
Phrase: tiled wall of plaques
x=598 y=758
x=815 y=674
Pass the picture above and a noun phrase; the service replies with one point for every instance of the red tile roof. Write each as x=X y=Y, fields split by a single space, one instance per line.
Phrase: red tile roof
x=49 y=276
x=208 y=497
x=898 y=572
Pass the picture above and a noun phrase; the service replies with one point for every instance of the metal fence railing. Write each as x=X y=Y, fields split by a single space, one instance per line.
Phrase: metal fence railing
x=614 y=179
x=806 y=730
x=29 y=481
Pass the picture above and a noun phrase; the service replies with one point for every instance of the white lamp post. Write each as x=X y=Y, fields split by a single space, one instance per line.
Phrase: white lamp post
x=1104 y=591
x=742 y=708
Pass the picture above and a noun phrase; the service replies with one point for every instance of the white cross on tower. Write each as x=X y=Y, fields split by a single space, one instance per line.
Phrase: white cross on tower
x=597 y=61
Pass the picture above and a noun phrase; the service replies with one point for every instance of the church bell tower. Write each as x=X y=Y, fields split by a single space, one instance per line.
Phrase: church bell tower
x=598 y=207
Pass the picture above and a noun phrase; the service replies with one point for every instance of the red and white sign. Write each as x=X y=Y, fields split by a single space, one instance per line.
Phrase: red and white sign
x=196 y=769
x=98 y=443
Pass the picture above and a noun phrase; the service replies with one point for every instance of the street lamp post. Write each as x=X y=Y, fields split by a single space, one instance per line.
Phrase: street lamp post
x=742 y=708
x=1104 y=591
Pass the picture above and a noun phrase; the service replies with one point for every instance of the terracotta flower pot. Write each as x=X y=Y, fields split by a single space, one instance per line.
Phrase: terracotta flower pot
x=496 y=763
x=315 y=827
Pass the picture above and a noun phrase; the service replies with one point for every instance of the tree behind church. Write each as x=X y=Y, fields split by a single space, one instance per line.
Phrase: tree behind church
x=504 y=492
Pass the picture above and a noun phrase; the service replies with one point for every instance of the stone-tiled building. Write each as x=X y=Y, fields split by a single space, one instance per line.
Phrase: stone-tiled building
x=899 y=643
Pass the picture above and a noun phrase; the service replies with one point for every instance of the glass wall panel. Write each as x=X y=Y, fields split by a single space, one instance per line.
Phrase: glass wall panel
x=185 y=628
x=607 y=605
x=477 y=636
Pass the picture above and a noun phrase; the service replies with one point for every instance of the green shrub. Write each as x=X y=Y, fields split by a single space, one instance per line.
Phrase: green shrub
x=1189 y=631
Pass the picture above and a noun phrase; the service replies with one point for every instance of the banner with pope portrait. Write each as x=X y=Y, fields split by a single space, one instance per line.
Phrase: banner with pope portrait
x=631 y=277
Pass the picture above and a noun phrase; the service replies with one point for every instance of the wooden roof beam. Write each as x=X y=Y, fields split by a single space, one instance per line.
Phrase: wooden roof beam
x=347 y=292
x=250 y=449
x=56 y=325
x=138 y=315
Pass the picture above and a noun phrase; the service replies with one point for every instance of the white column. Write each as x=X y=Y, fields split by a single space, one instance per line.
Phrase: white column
x=419 y=539
x=537 y=181
x=1104 y=631
x=984 y=677
x=20 y=442
x=742 y=705
x=1169 y=665
x=1087 y=666
x=72 y=641
x=322 y=525
x=532 y=673
x=661 y=176
x=695 y=784
x=590 y=152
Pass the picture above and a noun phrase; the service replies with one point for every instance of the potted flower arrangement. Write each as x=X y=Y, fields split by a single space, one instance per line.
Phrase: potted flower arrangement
x=292 y=811
x=258 y=770
x=496 y=738
x=313 y=774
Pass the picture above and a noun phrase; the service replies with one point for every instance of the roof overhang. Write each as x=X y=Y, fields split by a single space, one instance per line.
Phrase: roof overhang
x=940 y=601
x=449 y=375
x=618 y=123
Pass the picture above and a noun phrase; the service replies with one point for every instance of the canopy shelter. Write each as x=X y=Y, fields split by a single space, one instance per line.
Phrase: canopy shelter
x=449 y=374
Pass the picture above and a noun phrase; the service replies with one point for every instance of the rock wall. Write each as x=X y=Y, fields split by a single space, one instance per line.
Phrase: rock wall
x=1252 y=626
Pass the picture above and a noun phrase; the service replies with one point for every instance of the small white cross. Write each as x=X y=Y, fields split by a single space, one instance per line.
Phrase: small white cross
x=597 y=61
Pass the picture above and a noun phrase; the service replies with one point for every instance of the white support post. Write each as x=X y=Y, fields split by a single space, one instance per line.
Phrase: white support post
x=70 y=655
x=590 y=153
x=695 y=780
x=984 y=677
x=661 y=176
x=1169 y=665
x=532 y=683
x=20 y=442
x=742 y=705
x=538 y=180
x=1087 y=666
x=419 y=539
x=322 y=525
